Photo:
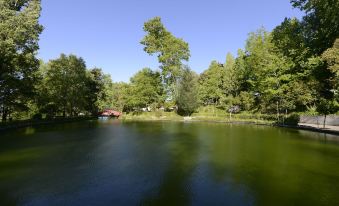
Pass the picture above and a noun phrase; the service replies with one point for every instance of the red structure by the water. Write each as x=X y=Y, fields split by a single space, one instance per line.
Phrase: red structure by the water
x=110 y=113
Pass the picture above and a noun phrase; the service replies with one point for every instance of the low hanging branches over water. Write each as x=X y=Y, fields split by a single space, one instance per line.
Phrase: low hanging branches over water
x=294 y=68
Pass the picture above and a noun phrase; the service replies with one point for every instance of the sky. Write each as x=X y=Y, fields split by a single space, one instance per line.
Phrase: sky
x=107 y=33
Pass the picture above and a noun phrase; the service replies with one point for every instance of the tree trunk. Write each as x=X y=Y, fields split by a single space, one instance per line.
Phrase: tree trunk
x=4 y=117
x=71 y=110
x=4 y=114
x=285 y=117
x=278 y=111
x=324 y=121
x=64 y=112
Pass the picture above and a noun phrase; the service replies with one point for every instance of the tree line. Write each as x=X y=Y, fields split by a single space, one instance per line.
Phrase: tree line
x=294 y=68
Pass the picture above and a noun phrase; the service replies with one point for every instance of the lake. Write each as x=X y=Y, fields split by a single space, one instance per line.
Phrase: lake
x=167 y=163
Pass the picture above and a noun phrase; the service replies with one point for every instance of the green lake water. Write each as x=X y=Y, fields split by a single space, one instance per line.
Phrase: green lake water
x=167 y=163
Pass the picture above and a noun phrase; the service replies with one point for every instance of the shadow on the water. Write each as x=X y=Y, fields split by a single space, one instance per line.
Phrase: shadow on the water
x=276 y=170
x=7 y=200
x=167 y=163
x=175 y=185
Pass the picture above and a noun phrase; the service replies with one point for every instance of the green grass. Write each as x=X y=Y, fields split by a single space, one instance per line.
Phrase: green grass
x=157 y=115
x=203 y=114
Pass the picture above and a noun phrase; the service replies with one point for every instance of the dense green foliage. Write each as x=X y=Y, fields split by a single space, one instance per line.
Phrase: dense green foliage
x=171 y=52
x=145 y=90
x=211 y=84
x=187 y=99
x=69 y=88
x=19 y=32
x=292 y=69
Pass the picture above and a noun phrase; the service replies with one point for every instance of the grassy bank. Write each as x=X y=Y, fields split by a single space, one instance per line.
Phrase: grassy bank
x=199 y=116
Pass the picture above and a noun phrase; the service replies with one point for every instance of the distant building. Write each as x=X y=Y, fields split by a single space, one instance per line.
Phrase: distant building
x=110 y=113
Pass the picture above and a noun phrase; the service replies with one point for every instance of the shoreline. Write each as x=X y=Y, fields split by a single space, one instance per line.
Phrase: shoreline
x=248 y=122
x=6 y=126
x=207 y=121
x=31 y=123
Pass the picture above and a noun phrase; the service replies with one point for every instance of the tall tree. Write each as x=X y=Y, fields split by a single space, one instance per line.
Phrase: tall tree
x=289 y=39
x=320 y=24
x=66 y=80
x=97 y=85
x=211 y=84
x=171 y=51
x=44 y=99
x=145 y=88
x=331 y=105
x=242 y=71
x=331 y=57
x=118 y=96
x=231 y=76
x=258 y=46
x=272 y=76
x=19 y=31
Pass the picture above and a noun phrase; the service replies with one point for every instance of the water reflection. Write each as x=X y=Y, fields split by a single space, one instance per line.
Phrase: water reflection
x=277 y=170
x=164 y=163
x=29 y=131
x=175 y=188
x=322 y=137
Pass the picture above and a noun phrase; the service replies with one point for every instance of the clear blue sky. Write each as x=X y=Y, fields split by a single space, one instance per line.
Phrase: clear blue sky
x=106 y=33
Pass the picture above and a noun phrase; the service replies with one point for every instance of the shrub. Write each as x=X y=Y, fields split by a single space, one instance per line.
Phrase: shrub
x=37 y=116
x=292 y=119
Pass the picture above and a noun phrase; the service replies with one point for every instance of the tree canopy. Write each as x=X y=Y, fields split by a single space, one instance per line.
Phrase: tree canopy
x=145 y=89
x=292 y=68
x=187 y=99
x=19 y=31
x=170 y=50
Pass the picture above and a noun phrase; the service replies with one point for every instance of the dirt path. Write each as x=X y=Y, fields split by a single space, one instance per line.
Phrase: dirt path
x=320 y=128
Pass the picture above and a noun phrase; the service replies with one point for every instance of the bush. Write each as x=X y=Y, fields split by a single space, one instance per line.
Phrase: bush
x=37 y=116
x=292 y=119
